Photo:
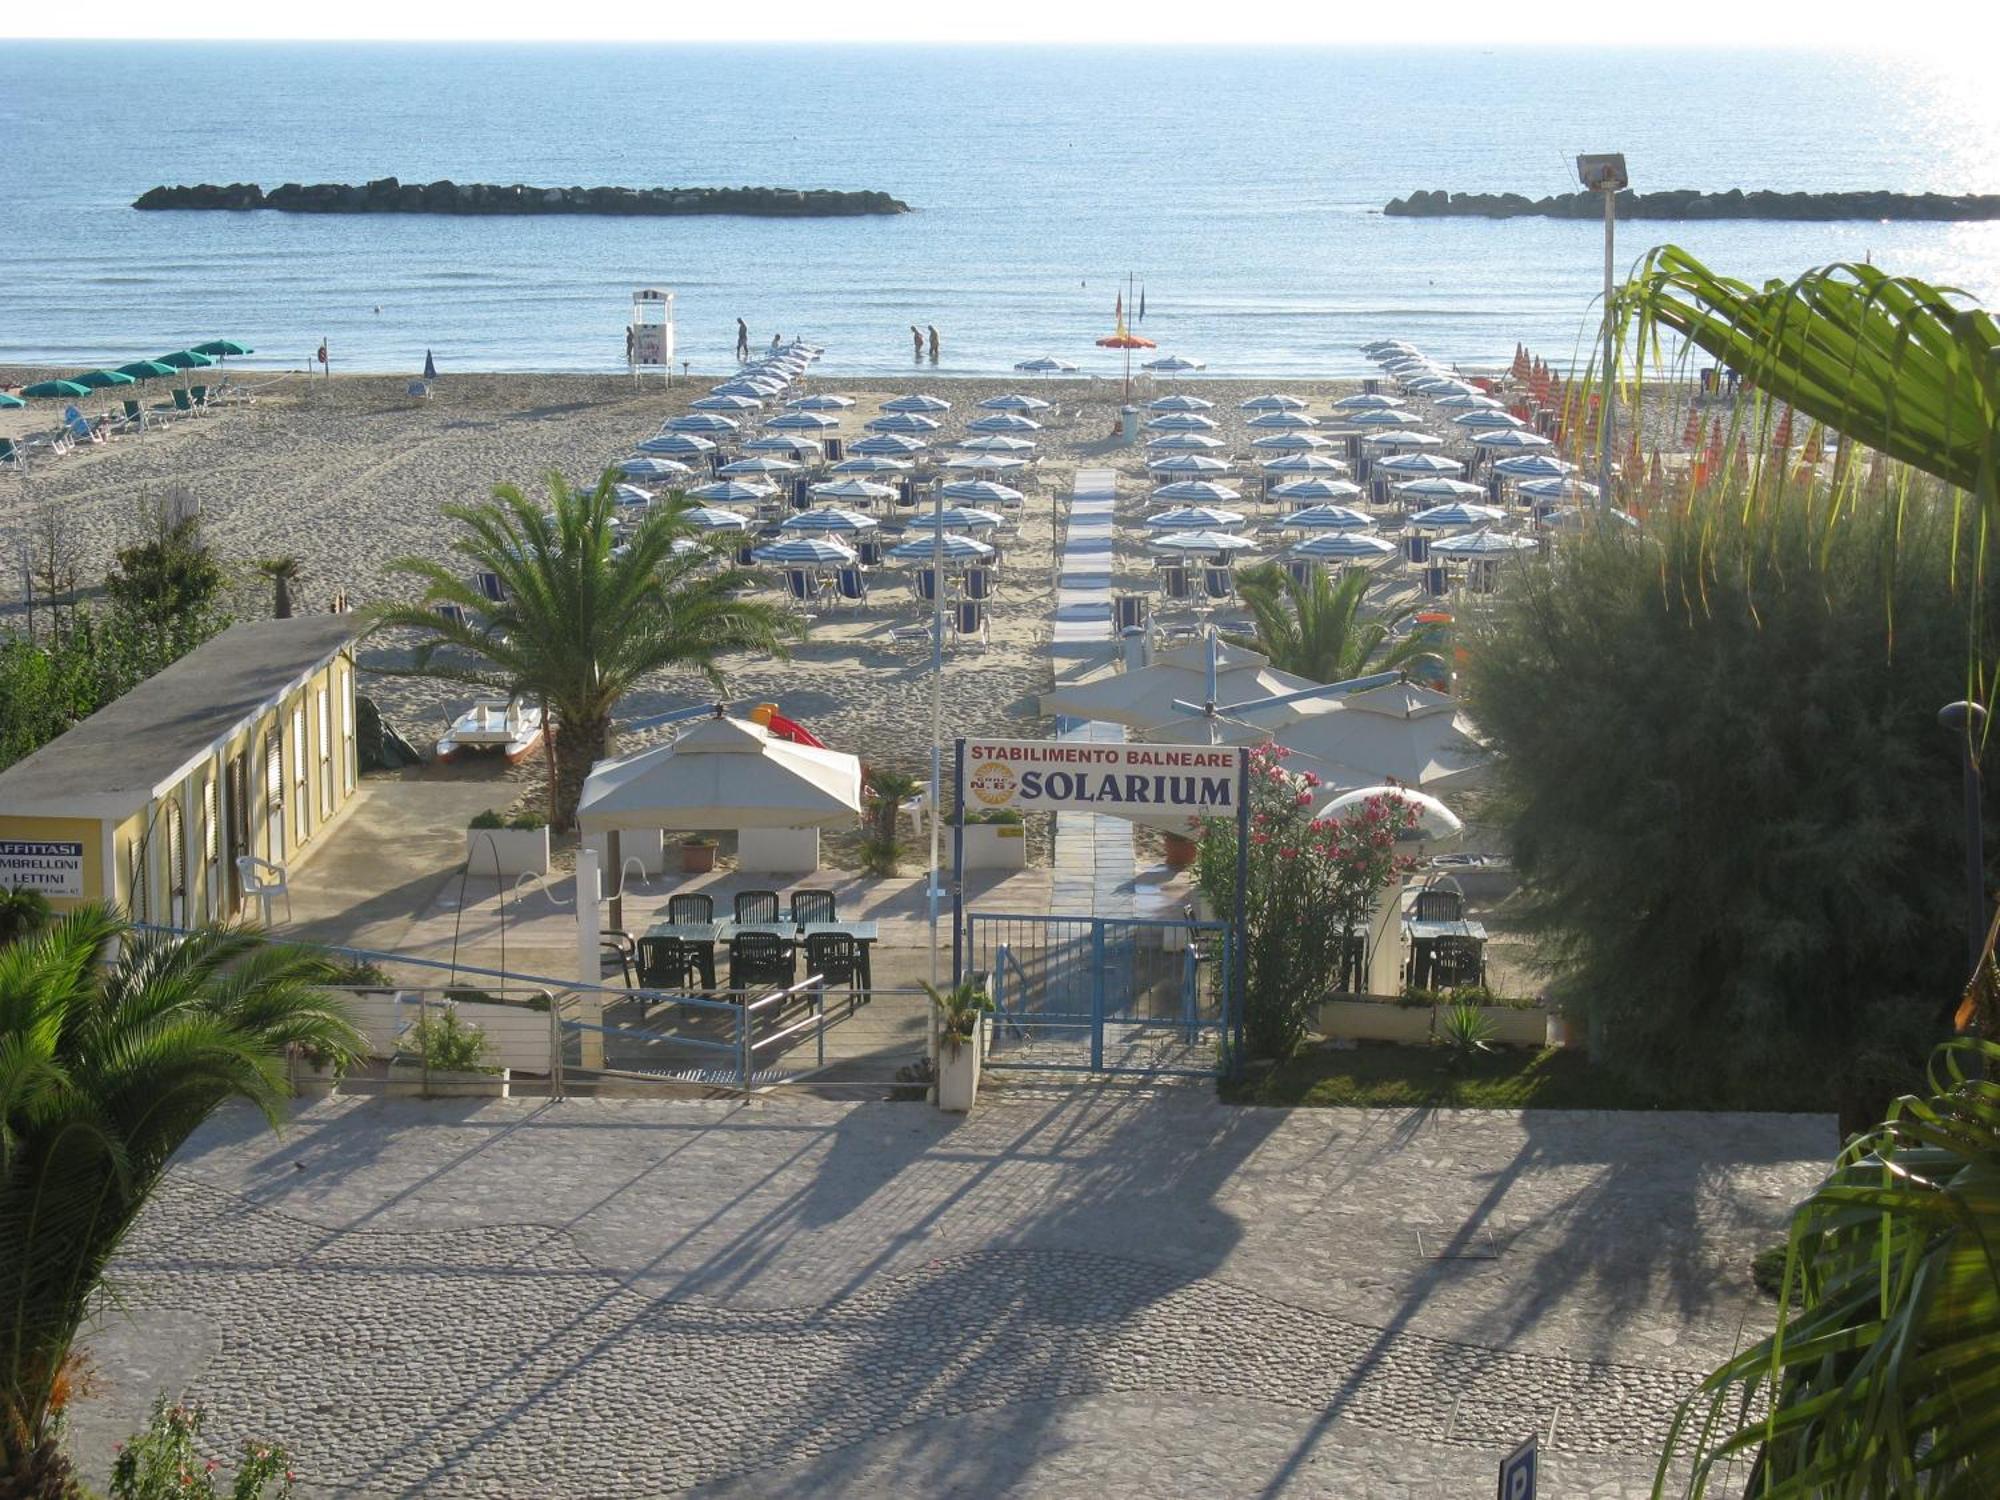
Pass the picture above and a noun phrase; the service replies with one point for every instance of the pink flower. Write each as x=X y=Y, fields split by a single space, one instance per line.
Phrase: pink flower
x=1304 y=799
x=1260 y=838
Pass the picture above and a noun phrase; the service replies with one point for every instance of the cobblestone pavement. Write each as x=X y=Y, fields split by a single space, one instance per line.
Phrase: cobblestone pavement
x=1097 y=1291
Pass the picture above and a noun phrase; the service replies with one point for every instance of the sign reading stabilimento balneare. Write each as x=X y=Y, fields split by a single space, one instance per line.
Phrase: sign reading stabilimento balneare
x=1044 y=776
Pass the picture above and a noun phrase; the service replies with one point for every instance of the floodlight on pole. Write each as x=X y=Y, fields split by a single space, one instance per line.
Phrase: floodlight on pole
x=1605 y=173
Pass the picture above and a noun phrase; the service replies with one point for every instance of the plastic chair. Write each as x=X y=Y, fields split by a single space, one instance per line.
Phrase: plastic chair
x=756 y=906
x=690 y=908
x=1440 y=903
x=264 y=880
x=814 y=906
x=836 y=958
x=761 y=958
x=667 y=964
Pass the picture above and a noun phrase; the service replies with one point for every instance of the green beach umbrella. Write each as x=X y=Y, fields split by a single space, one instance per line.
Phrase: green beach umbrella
x=97 y=380
x=8 y=402
x=223 y=348
x=186 y=359
x=55 y=390
x=147 y=369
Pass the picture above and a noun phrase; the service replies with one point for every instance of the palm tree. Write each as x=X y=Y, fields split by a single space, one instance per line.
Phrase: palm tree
x=107 y=1064
x=24 y=911
x=1881 y=1379
x=283 y=573
x=1316 y=629
x=582 y=624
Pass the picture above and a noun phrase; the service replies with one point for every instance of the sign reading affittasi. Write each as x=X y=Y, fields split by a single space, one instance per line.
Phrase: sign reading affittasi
x=53 y=868
x=1045 y=776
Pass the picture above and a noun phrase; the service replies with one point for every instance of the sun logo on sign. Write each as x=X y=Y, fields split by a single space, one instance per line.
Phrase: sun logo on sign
x=992 y=783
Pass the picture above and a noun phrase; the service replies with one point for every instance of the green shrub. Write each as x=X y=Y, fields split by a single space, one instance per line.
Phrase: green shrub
x=987 y=815
x=446 y=1044
x=528 y=821
x=360 y=974
x=24 y=911
x=878 y=856
x=164 y=1462
x=488 y=818
x=1464 y=1030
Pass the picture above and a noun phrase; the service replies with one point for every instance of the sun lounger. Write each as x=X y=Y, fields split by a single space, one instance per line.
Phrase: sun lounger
x=803 y=586
x=418 y=390
x=1128 y=612
x=868 y=553
x=924 y=584
x=976 y=583
x=1175 y=587
x=12 y=457
x=198 y=397
x=490 y=587
x=968 y=623
x=183 y=402
x=1301 y=570
x=851 y=586
x=79 y=428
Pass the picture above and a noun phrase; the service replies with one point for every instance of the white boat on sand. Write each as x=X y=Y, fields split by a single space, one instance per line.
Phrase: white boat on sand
x=506 y=725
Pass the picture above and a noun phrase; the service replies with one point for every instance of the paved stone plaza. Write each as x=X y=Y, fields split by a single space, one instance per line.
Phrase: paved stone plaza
x=1099 y=1291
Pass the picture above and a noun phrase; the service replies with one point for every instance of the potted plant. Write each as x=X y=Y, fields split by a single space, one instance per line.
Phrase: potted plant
x=962 y=1010
x=500 y=846
x=449 y=1063
x=697 y=854
x=1182 y=850
x=995 y=839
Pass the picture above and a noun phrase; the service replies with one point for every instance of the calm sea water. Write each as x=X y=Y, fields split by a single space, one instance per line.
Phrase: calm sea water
x=1240 y=185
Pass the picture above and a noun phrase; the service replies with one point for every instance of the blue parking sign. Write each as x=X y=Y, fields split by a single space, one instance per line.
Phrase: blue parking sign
x=1517 y=1473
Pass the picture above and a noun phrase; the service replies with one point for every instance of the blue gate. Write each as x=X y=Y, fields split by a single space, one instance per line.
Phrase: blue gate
x=1104 y=994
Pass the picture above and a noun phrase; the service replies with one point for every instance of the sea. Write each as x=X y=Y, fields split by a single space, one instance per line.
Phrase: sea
x=1237 y=190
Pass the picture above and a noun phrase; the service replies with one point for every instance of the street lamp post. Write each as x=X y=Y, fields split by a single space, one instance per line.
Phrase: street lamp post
x=1605 y=174
x=1966 y=722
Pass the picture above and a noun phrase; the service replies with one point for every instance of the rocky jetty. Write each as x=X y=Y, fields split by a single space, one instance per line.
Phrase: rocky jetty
x=1686 y=203
x=387 y=195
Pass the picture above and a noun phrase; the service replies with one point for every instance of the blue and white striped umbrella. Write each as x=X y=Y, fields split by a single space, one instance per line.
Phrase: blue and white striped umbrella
x=726 y=403
x=743 y=467
x=981 y=492
x=903 y=421
x=1346 y=546
x=760 y=390
x=1290 y=442
x=1195 y=492
x=1273 y=401
x=1284 y=421
x=653 y=468
x=1439 y=487
x=869 y=463
x=685 y=444
x=1004 y=421
x=1444 y=517
x=703 y=421
x=1485 y=419
x=1511 y=440
x=1534 y=466
x=825 y=401
x=1468 y=403
x=954 y=518
x=804 y=551
x=1180 y=421
x=1367 y=402
x=1179 y=402
x=1303 y=463
x=1442 y=386
x=853 y=488
x=1482 y=544
x=1187 y=463
x=1420 y=465
x=826 y=520
x=886 y=445
x=1338 y=517
x=951 y=546
x=918 y=403
x=803 y=421
x=629 y=496
x=1182 y=442
x=708 y=518
x=784 y=442
x=1403 y=439
x=1173 y=364
x=731 y=492
x=1048 y=364
x=997 y=442
x=1382 y=416
x=1195 y=518
x=1385 y=348
x=1203 y=541
x=1563 y=487
x=985 y=463
x=1014 y=401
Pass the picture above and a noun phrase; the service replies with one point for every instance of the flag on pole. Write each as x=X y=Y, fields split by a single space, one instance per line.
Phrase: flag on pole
x=1142 y=304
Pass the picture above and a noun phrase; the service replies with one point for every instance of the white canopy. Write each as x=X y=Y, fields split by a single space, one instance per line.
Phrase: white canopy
x=1401 y=732
x=1145 y=697
x=722 y=773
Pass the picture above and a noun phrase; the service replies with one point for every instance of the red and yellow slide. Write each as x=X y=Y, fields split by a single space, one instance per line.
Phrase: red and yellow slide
x=783 y=728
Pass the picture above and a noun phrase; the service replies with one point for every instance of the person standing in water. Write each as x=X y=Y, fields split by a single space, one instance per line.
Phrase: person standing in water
x=916 y=343
x=934 y=344
x=742 y=341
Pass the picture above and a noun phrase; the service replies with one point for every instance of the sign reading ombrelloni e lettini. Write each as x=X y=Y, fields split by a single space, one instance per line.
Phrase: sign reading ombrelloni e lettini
x=1047 y=776
x=53 y=867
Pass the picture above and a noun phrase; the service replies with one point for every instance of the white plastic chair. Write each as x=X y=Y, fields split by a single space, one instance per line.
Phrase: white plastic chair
x=262 y=879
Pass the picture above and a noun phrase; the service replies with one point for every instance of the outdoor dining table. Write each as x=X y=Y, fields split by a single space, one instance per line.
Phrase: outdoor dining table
x=1425 y=934
x=706 y=935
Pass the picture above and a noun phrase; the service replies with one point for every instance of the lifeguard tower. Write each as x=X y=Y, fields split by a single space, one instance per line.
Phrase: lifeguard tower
x=649 y=337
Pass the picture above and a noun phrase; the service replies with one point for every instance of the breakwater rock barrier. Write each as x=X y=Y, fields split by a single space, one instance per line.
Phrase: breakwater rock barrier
x=1688 y=203
x=387 y=195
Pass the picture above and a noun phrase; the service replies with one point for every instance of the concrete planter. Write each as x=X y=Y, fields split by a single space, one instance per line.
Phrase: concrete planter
x=958 y=1074
x=996 y=846
x=647 y=845
x=407 y=1081
x=309 y=1082
x=517 y=851
x=1516 y=1027
x=1384 y=1020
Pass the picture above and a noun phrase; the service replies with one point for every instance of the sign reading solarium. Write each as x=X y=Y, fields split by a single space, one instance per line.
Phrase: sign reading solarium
x=1044 y=776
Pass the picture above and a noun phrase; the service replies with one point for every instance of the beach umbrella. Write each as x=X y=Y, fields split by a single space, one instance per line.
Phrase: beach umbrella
x=702 y=421
x=918 y=403
x=1173 y=364
x=223 y=349
x=1439 y=487
x=731 y=492
x=1203 y=541
x=824 y=402
x=1468 y=403
x=1124 y=339
x=1303 y=463
x=1288 y=421
x=1047 y=364
x=1349 y=546
x=1458 y=513
x=1401 y=732
x=1004 y=421
x=1403 y=439
x=430 y=366
x=1382 y=416
x=1565 y=487
x=1273 y=401
x=1179 y=402
x=738 y=468
x=1180 y=421
x=997 y=442
x=868 y=463
x=903 y=421
x=1387 y=346
x=98 y=380
x=952 y=546
x=653 y=468
x=784 y=442
x=147 y=369
x=1419 y=464
x=853 y=489
x=1482 y=544
x=1187 y=463
x=186 y=359
x=55 y=390
x=758 y=390
x=824 y=520
x=11 y=402
x=1290 y=442
x=803 y=421
x=726 y=403
x=708 y=518
x=1014 y=401
x=1446 y=386
x=1196 y=492
x=804 y=551
x=1534 y=466
x=886 y=445
x=1182 y=442
x=954 y=518
x=981 y=492
x=1194 y=518
x=1145 y=697
x=1510 y=440
x=686 y=444
x=1367 y=402
x=1336 y=517
x=629 y=495
x=1483 y=419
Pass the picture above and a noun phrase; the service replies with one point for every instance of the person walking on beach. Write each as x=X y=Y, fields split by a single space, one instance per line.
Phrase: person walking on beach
x=916 y=343
x=742 y=341
x=934 y=344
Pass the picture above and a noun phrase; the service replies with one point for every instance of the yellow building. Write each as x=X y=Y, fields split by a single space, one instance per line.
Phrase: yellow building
x=243 y=747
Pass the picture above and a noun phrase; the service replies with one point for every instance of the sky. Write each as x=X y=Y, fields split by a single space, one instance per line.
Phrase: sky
x=1970 y=25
